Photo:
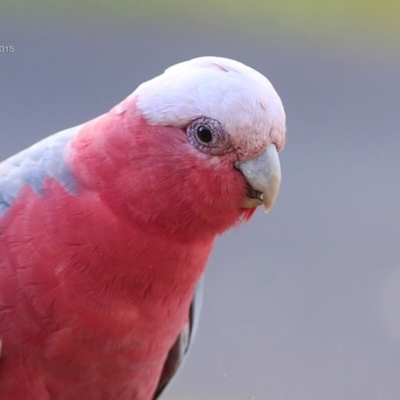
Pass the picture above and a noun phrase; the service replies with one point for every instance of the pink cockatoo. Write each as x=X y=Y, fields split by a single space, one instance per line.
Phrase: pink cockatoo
x=106 y=228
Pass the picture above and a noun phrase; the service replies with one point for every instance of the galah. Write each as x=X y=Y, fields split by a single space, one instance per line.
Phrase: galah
x=106 y=228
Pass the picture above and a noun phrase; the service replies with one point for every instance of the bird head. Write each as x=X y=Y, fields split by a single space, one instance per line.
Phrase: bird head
x=200 y=145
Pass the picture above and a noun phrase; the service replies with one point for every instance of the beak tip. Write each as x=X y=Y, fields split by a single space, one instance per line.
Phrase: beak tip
x=271 y=194
x=267 y=209
x=268 y=205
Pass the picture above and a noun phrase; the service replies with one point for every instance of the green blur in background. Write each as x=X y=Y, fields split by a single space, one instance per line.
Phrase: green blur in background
x=331 y=19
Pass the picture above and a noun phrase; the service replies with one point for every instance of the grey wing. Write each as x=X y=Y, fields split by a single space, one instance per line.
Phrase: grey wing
x=179 y=350
x=32 y=165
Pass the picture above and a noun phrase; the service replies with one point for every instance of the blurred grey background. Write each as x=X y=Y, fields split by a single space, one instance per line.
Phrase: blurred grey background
x=300 y=304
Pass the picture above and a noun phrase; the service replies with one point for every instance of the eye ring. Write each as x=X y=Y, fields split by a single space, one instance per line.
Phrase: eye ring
x=209 y=136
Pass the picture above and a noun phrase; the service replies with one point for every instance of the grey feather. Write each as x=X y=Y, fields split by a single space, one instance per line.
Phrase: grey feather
x=33 y=165
x=180 y=348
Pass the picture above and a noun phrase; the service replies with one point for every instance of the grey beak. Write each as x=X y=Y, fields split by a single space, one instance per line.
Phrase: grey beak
x=263 y=174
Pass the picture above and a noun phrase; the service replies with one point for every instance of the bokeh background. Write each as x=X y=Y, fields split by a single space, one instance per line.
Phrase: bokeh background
x=300 y=304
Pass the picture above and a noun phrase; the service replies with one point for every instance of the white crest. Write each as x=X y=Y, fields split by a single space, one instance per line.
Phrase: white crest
x=239 y=97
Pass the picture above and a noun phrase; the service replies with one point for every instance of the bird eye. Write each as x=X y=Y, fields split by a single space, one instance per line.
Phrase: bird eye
x=209 y=136
x=204 y=134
